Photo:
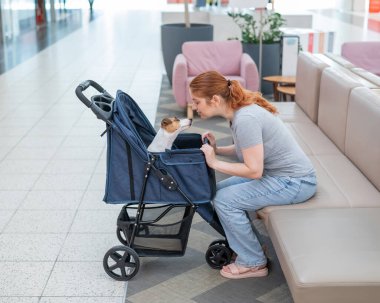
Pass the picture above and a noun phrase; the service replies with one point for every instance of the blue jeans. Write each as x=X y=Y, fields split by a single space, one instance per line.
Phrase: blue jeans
x=235 y=196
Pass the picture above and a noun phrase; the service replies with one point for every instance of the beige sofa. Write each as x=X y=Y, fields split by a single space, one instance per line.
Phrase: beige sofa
x=329 y=246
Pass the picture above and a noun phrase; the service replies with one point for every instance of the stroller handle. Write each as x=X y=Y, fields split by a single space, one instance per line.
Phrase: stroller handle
x=101 y=105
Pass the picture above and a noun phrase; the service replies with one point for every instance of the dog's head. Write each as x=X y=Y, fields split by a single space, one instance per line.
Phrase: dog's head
x=170 y=128
x=173 y=124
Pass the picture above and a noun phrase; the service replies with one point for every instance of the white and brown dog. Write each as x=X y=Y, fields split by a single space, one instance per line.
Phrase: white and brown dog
x=168 y=132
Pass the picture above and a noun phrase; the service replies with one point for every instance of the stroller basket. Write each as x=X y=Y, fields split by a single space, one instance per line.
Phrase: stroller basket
x=162 y=230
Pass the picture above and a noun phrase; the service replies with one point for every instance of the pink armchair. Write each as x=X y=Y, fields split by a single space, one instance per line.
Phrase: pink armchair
x=364 y=54
x=226 y=57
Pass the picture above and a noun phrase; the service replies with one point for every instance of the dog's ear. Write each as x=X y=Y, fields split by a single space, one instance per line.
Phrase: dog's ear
x=165 y=122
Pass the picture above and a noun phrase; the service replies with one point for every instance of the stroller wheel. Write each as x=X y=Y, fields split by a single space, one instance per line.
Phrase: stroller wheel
x=121 y=263
x=219 y=242
x=217 y=256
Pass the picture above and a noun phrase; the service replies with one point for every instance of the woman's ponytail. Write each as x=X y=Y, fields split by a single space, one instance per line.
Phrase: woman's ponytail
x=239 y=97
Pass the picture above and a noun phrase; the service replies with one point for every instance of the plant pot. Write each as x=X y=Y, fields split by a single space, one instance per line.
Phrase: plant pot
x=175 y=34
x=200 y=3
x=271 y=62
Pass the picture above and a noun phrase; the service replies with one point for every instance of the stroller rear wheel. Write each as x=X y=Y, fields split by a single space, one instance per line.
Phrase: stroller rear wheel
x=219 y=242
x=121 y=263
x=218 y=255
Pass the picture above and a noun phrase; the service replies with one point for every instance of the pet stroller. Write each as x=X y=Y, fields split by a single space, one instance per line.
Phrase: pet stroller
x=160 y=191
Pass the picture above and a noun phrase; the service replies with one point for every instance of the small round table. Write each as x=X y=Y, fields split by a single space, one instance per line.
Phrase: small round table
x=287 y=91
x=280 y=80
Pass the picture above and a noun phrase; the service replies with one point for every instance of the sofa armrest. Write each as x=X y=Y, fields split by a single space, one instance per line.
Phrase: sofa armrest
x=248 y=71
x=180 y=73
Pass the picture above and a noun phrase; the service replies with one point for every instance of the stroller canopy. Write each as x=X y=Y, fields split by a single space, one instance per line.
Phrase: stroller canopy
x=132 y=124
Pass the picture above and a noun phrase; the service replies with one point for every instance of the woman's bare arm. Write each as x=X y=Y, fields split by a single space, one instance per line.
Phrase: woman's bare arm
x=252 y=167
x=225 y=150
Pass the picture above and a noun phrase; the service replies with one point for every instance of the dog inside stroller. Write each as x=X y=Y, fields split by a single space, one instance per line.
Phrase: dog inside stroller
x=160 y=191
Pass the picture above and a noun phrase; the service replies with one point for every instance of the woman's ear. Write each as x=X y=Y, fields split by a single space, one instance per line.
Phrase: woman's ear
x=215 y=100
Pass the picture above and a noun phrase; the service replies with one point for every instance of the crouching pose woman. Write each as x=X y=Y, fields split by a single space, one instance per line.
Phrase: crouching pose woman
x=272 y=168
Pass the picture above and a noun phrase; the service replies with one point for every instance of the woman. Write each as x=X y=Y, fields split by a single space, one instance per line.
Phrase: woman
x=272 y=168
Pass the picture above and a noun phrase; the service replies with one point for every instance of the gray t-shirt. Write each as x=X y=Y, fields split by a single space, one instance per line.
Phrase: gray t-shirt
x=253 y=125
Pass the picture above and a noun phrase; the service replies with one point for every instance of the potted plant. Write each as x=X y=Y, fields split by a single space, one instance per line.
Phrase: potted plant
x=173 y=35
x=268 y=26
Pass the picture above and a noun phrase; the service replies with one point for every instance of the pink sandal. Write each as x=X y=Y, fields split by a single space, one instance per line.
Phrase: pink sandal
x=239 y=272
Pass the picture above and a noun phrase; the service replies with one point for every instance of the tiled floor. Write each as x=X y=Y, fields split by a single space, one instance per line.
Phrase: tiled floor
x=53 y=228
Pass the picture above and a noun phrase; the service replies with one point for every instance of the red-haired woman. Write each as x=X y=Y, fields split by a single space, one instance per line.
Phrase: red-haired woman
x=272 y=168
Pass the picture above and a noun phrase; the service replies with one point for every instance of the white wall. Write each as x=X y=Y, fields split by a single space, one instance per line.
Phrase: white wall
x=289 y=5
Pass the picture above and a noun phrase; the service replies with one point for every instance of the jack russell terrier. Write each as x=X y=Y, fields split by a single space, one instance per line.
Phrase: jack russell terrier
x=168 y=132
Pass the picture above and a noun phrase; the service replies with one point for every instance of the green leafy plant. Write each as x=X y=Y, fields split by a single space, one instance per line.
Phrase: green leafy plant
x=250 y=27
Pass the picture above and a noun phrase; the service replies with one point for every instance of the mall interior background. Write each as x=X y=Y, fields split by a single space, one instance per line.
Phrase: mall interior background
x=28 y=26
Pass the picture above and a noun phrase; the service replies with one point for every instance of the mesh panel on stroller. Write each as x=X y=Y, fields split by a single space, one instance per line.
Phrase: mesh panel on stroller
x=161 y=191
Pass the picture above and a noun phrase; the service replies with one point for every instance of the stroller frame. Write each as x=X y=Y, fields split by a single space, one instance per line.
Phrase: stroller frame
x=139 y=225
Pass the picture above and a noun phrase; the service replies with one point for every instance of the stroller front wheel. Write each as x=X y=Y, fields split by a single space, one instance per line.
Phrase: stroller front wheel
x=121 y=263
x=217 y=256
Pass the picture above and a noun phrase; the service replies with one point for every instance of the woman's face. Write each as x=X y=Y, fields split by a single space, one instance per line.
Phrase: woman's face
x=203 y=108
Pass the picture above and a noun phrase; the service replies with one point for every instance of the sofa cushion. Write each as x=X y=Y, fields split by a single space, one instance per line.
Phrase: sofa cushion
x=308 y=77
x=291 y=112
x=335 y=60
x=223 y=56
x=336 y=86
x=362 y=134
x=328 y=195
x=329 y=255
x=340 y=183
x=367 y=76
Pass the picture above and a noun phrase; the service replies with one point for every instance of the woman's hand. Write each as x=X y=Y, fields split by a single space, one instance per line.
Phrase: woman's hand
x=211 y=138
x=209 y=153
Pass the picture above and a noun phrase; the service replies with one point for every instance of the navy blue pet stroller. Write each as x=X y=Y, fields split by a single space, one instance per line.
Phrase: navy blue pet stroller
x=160 y=191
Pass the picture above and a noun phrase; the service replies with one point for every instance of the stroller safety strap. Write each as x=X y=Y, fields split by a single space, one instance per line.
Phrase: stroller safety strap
x=166 y=179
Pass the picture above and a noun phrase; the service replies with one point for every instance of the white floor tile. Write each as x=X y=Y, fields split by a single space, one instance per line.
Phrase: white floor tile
x=5 y=216
x=82 y=153
x=95 y=221
x=79 y=300
x=62 y=182
x=31 y=153
x=52 y=200
x=93 y=200
x=101 y=167
x=40 y=221
x=9 y=141
x=42 y=130
x=97 y=182
x=19 y=300
x=11 y=199
x=92 y=139
x=71 y=166
x=87 y=247
x=17 y=181
x=45 y=141
x=30 y=247
x=82 y=279
x=24 y=278
x=22 y=166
